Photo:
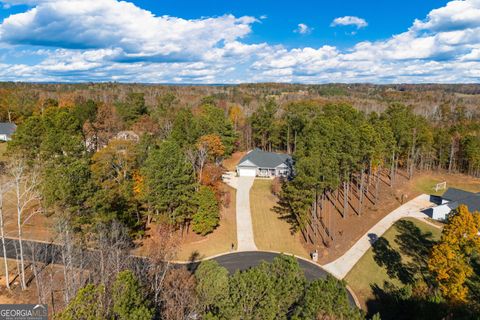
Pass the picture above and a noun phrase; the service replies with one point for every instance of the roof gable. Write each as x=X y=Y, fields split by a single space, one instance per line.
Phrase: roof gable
x=246 y=163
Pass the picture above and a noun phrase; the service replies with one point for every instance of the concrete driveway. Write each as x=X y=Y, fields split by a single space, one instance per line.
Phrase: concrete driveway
x=340 y=267
x=243 y=185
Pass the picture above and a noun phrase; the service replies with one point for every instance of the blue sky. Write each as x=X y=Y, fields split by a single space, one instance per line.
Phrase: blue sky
x=384 y=17
x=213 y=41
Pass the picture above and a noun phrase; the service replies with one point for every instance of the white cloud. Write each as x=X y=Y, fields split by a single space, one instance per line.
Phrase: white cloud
x=303 y=29
x=105 y=40
x=349 y=21
x=95 y=24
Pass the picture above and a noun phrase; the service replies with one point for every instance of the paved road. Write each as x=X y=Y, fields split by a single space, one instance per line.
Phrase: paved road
x=50 y=253
x=245 y=239
x=340 y=267
x=244 y=260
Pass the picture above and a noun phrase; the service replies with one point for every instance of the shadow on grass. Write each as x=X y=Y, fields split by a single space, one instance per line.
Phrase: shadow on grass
x=408 y=264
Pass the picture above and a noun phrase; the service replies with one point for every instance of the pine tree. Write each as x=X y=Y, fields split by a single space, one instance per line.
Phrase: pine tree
x=169 y=182
x=128 y=298
x=206 y=219
x=86 y=305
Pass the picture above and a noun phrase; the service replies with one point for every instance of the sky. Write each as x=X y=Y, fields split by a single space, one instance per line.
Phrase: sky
x=240 y=41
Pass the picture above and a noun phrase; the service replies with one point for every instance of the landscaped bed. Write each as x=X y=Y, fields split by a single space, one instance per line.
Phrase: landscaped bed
x=404 y=244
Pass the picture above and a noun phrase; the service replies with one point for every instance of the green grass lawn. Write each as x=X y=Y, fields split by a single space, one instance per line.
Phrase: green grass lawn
x=271 y=232
x=399 y=254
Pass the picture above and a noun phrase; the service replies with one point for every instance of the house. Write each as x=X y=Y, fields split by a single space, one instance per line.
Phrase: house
x=6 y=130
x=258 y=163
x=128 y=135
x=451 y=199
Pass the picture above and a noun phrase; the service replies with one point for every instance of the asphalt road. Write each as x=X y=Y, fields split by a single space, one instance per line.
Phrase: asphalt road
x=246 y=260
x=50 y=253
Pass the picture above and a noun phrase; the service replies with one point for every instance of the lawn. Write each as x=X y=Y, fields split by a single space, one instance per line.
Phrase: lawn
x=3 y=150
x=399 y=254
x=271 y=232
x=426 y=183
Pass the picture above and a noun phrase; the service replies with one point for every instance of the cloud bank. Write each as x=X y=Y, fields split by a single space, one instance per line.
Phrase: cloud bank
x=110 y=40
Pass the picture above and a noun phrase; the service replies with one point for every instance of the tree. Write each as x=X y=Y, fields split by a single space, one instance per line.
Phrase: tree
x=132 y=108
x=251 y=295
x=212 y=286
x=288 y=283
x=4 y=187
x=451 y=259
x=169 y=182
x=25 y=184
x=451 y=272
x=178 y=295
x=213 y=144
x=262 y=122
x=212 y=120
x=87 y=305
x=129 y=299
x=206 y=219
x=326 y=299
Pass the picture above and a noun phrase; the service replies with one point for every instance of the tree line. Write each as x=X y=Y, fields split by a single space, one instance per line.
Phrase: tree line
x=343 y=156
x=90 y=173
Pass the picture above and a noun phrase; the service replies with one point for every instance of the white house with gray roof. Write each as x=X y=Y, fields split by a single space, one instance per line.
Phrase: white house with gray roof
x=258 y=163
x=6 y=130
x=451 y=199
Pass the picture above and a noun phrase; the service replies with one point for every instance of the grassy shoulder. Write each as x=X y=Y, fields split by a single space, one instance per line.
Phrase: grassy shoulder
x=399 y=253
x=271 y=232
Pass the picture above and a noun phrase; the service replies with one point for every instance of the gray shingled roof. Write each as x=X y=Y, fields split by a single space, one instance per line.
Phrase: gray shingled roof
x=7 y=128
x=473 y=203
x=265 y=159
x=470 y=199
x=453 y=194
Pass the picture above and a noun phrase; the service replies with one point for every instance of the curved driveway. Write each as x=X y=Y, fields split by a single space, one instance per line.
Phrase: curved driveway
x=340 y=267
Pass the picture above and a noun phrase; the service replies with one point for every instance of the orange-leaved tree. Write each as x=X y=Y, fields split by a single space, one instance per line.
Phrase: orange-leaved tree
x=450 y=260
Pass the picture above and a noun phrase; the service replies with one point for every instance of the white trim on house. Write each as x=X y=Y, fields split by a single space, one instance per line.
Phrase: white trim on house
x=442 y=211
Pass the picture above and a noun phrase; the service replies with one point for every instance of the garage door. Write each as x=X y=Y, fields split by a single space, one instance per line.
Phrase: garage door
x=247 y=172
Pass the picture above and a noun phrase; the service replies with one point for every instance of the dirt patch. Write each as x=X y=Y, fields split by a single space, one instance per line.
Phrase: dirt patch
x=15 y=295
x=232 y=162
x=348 y=230
x=38 y=227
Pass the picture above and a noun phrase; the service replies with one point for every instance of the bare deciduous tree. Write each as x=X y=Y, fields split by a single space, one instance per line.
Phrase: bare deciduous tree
x=25 y=184
x=178 y=295
x=163 y=250
x=4 y=187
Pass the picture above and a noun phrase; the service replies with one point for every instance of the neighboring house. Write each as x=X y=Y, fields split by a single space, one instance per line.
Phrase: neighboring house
x=258 y=163
x=6 y=130
x=451 y=199
x=128 y=135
